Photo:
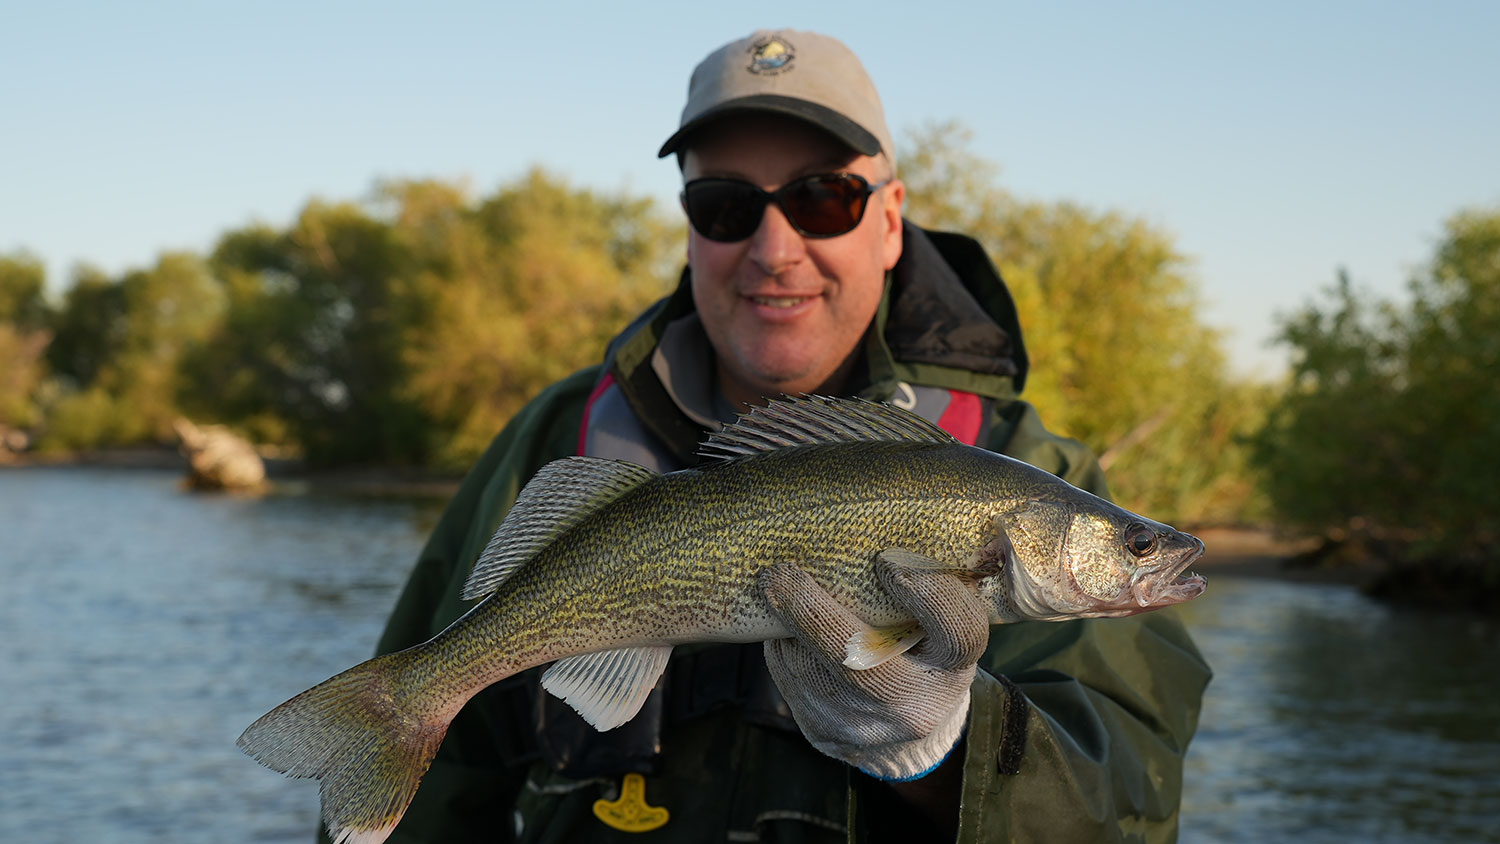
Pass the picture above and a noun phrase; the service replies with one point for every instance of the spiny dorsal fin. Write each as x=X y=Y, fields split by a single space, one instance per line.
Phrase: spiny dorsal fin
x=558 y=497
x=812 y=420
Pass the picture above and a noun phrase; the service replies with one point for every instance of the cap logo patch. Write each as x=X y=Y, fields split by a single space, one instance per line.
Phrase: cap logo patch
x=770 y=56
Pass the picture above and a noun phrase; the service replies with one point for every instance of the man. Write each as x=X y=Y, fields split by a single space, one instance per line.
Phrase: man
x=803 y=278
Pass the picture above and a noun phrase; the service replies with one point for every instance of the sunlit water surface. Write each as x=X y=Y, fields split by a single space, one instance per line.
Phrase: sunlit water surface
x=143 y=627
x=1333 y=717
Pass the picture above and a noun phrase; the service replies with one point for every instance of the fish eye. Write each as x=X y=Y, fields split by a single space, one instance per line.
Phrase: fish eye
x=1140 y=540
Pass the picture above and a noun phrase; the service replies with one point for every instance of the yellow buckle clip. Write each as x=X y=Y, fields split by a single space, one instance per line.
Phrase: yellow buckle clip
x=630 y=813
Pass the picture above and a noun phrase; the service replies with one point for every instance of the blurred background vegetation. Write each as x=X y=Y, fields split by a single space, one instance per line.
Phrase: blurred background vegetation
x=405 y=329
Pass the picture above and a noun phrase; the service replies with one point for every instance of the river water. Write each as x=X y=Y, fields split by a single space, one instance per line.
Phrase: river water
x=142 y=627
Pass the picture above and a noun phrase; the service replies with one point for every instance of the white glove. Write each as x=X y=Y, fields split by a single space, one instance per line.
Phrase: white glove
x=899 y=720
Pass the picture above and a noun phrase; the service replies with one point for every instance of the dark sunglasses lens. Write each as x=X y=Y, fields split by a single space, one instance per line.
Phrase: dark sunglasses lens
x=825 y=206
x=723 y=209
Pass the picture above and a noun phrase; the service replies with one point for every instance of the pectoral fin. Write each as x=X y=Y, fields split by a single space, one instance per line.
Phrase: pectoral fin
x=902 y=558
x=607 y=688
x=869 y=648
x=979 y=565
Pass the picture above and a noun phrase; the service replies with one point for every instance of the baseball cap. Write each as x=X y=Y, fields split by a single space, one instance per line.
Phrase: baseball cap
x=801 y=74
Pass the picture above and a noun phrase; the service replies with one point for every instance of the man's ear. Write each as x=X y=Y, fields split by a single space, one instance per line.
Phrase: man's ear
x=892 y=196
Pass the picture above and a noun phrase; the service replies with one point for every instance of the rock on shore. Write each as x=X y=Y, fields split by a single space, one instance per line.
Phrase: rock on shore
x=219 y=458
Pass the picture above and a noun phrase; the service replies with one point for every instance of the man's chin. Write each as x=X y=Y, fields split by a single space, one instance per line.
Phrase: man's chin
x=770 y=383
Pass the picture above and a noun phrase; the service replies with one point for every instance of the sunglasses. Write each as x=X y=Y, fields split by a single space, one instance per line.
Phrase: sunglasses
x=824 y=205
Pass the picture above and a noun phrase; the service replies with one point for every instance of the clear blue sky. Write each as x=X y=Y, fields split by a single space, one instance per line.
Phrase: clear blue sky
x=1276 y=140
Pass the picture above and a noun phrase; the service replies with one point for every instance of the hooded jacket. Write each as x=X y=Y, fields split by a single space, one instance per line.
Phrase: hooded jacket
x=1076 y=731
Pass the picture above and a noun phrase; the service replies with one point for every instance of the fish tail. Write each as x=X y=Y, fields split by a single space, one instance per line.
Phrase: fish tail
x=367 y=734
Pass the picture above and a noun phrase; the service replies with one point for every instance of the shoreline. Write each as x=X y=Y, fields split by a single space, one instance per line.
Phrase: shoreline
x=283 y=475
x=1261 y=551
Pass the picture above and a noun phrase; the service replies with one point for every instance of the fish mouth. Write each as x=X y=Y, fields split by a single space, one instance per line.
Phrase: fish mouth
x=1171 y=583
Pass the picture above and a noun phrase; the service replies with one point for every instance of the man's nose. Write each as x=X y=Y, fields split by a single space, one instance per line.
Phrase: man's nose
x=775 y=245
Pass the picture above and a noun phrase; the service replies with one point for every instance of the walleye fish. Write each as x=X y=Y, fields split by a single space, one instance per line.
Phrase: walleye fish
x=603 y=566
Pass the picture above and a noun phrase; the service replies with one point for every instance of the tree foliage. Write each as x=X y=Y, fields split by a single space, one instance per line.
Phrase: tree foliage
x=23 y=301
x=527 y=287
x=310 y=344
x=1120 y=356
x=119 y=345
x=409 y=328
x=24 y=317
x=1389 y=433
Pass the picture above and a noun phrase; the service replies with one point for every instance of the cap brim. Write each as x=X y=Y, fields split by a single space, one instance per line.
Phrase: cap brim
x=830 y=121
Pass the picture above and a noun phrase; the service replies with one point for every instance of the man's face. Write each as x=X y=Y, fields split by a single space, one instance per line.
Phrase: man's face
x=784 y=312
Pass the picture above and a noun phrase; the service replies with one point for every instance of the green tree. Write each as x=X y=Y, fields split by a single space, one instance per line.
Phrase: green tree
x=23 y=292
x=1388 y=437
x=410 y=327
x=525 y=288
x=309 y=347
x=1120 y=356
x=24 y=316
x=119 y=345
x=88 y=326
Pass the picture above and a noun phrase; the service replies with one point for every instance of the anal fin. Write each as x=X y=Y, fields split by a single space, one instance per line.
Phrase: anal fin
x=607 y=688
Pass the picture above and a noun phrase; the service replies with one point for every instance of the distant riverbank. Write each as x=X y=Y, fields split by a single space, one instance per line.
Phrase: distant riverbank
x=283 y=473
x=1261 y=551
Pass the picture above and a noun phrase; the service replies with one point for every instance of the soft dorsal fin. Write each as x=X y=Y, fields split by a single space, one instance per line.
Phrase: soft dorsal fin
x=814 y=420
x=558 y=497
x=609 y=687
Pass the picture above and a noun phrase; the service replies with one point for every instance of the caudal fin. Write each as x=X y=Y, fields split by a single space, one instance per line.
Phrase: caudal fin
x=361 y=733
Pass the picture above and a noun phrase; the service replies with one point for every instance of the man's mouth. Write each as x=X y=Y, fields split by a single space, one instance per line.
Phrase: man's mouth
x=779 y=301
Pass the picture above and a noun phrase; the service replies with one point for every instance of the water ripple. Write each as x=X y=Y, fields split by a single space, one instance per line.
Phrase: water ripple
x=1335 y=718
x=144 y=627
